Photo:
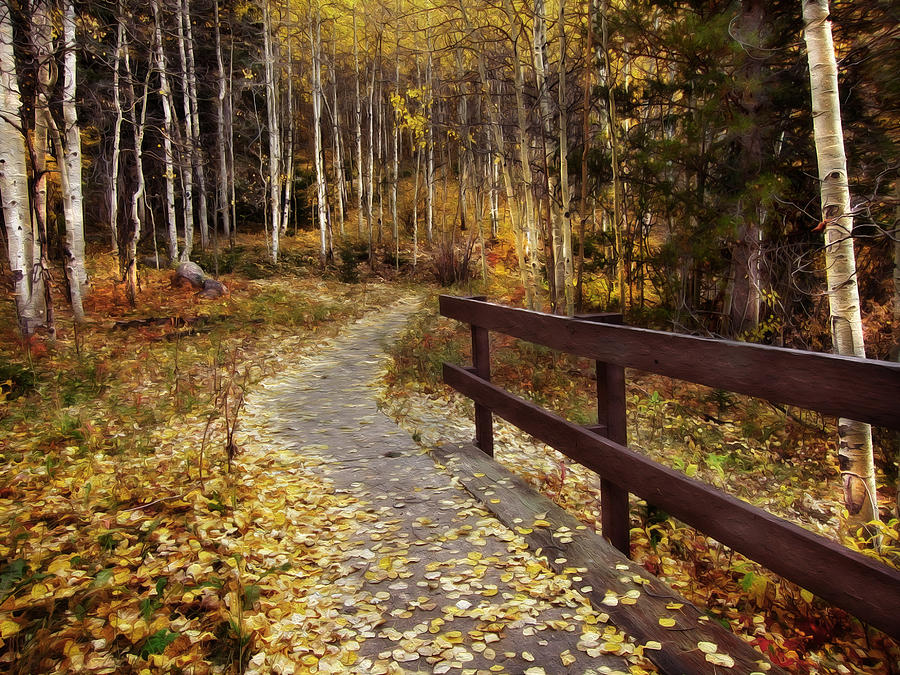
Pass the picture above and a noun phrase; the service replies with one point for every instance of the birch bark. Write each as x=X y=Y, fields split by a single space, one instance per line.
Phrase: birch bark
x=359 y=148
x=168 y=134
x=855 y=454
x=187 y=147
x=274 y=131
x=138 y=125
x=14 y=177
x=222 y=193
x=315 y=39
x=117 y=139
x=196 y=145
x=73 y=201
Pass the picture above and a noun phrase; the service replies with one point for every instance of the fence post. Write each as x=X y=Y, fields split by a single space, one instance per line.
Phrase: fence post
x=481 y=362
x=611 y=415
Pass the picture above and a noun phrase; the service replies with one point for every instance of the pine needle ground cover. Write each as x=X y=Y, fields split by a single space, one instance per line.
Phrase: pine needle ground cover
x=782 y=461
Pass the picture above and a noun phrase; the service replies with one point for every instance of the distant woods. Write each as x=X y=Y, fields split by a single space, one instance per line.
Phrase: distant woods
x=651 y=156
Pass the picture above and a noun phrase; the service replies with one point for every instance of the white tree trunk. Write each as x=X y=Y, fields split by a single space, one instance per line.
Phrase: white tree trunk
x=138 y=126
x=274 y=131
x=73 y=202
x=855 y=453
x=530 y=230
x=565 y=220
x=337 y=146
x=117 y=138
x=168 y=132
x=288 y=150
x=187 y=147
x=315 y=39
x=429 y=150
x=359 y=147
x=14 y=178
x=223 y=196
x=196 y=146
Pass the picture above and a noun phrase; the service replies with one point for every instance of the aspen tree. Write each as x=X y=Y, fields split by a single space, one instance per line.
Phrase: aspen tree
x=222 y=192
x=196 y=146
x=855 y=454
x=288 y=146
x=138 y=125
x=358 y=134
x=113 y=194
x=73 y=201
x=187 y=148
x=42 y=46
x=168 y=133
x=565 y=223
x=315 y=40
x=274 y=131
x=14 y=177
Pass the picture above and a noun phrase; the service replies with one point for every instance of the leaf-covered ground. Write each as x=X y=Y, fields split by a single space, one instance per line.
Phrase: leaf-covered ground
x=118 y=511
x=741 y=446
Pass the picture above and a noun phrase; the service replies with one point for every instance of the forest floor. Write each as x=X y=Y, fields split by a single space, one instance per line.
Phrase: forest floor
x=131 y=457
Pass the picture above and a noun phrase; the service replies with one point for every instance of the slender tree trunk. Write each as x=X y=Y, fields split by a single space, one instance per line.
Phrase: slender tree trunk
x=586 y=133
x=187 y=147
x=14 y=178
x=338 y=157
x=222 y=193
x=429 y=147
x=73 y=201
x=613 y=124
x=196 y=145
x=395 y=168
x=359 y=146
x=274 y=131
x=137 y=198
x=113 y=194
x=42 y=44
x=371 y=192
x=565 y=220
x=531 y=237
x=168 y=133
x=855 y=453
x=556 y=262
x=288 y=154
x=315 y=39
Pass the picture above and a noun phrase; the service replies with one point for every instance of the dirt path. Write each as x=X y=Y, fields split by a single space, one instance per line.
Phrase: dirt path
x=411 y=575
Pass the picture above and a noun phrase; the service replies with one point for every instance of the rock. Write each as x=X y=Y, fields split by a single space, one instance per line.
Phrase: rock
x=213 y=289
x=189 y=272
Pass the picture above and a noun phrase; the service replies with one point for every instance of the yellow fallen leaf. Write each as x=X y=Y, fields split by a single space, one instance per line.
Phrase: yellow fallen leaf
x=708 y=647
x=666 y=622
x=8 y=628
x=653 y=644
x=720 y=660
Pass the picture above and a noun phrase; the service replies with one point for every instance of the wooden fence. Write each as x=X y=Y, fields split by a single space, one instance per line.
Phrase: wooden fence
x=859 y=389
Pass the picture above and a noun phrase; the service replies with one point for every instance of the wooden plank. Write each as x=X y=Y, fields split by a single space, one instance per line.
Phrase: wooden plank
x=516 y=504
x=860 y=389
x=861 y=585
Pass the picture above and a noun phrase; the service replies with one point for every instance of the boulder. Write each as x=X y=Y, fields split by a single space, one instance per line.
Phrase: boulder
x=189 y=272
x=213 y=289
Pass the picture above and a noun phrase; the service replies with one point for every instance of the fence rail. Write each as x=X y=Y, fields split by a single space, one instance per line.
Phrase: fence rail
x=834 y=385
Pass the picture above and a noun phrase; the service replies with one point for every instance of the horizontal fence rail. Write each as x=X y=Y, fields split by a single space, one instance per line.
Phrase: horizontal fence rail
x=855 y=582
x=841 y=386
